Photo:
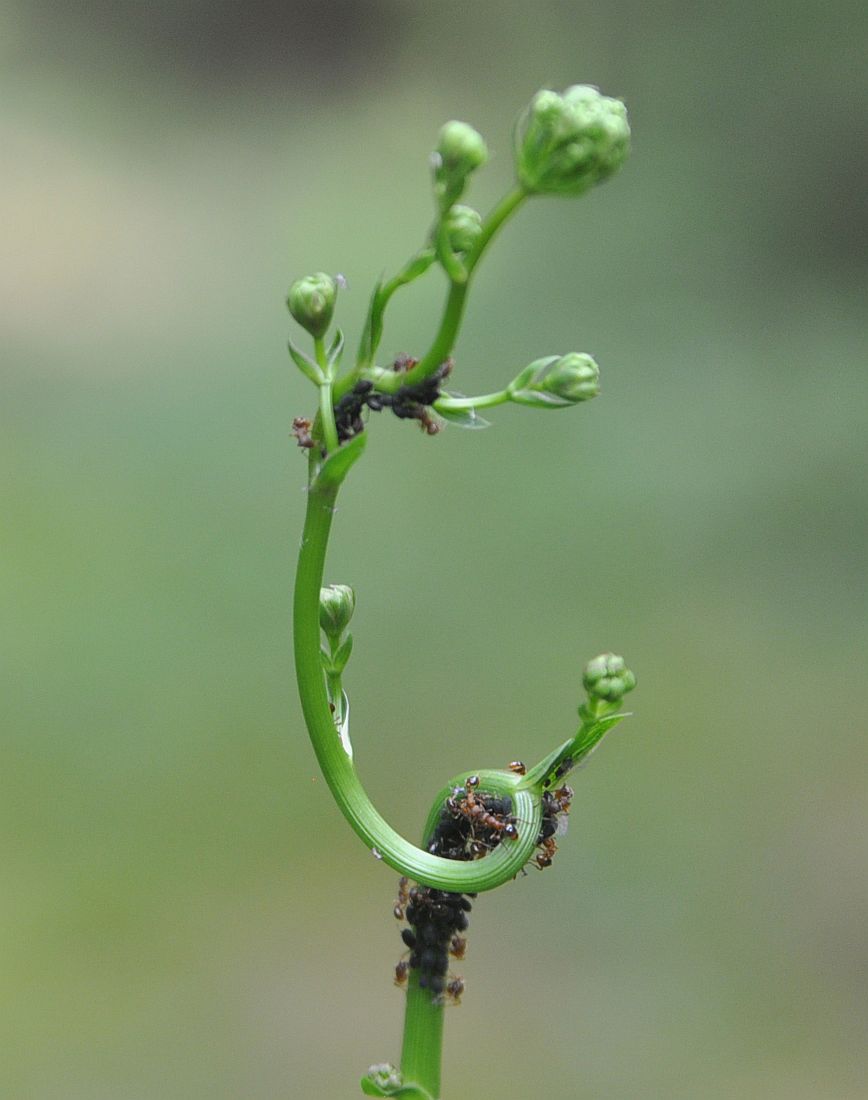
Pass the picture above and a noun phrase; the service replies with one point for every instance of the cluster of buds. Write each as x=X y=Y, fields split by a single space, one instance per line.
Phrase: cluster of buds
x=567 y=143
x=607 y=678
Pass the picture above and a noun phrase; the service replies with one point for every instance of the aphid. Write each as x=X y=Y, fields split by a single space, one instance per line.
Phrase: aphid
x=457 y=947
x=402 y=969
x=518 y=767
x=565 y=766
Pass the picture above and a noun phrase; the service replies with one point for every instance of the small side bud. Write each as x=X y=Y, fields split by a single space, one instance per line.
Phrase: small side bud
x=566 y=143
x=608 y=678
x=460 y=151
x=463 y=227
x=336 y=605
x=311 y=301
x=556 y=381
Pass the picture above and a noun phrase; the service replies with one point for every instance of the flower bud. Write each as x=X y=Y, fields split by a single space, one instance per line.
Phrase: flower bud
x=567 y=143
x=463 y=227
x=556 y=381
x=460 y=151
x=311 y=301
x=607 y=677
x=336 y=605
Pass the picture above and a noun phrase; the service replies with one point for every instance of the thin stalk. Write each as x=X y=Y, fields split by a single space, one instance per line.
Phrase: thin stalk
x=326 y=403
x=422 y=1049
x=453 y=311
x=486 y=401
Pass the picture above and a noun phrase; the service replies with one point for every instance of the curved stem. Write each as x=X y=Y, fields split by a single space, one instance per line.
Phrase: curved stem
x=500 y=865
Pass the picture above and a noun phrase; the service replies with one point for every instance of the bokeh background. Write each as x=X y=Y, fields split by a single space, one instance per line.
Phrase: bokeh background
x=184 y=912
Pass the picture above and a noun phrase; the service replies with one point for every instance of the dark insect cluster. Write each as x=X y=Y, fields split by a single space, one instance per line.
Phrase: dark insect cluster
x=556 y=806
x=470 y=824
x=407 y=403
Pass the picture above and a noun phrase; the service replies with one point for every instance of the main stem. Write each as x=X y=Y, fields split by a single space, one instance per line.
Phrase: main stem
x=422 y=1050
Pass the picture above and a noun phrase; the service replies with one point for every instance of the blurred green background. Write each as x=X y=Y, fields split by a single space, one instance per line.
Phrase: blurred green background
x=184 y=913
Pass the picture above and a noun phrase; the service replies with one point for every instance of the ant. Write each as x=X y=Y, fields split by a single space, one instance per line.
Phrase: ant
x=544 y=857
x=467 y=806
x=403 y=898
x=454 y=989
x=563 y=798
x=518 y=766
x=301 y=427
x=457 y=947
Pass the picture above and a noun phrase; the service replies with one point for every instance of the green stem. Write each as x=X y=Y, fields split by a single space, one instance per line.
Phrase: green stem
x=486 y=401
x=326 y=401
x=500 y=865
x=453 y=311
x=422 y=1049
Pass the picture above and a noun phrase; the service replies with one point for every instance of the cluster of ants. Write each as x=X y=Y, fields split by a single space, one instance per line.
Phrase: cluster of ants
x=407 y=403
x=471 y=823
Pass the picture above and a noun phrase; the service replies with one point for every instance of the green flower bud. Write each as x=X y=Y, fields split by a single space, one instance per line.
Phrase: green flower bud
x=607 y=677
x=336 y=605
x=556 y=381
x=460 y=151
x=463 y=226
x=566 y=143
x=311 y=301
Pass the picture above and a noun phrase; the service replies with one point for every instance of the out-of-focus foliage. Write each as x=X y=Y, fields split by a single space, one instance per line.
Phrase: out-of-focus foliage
x=174 y=926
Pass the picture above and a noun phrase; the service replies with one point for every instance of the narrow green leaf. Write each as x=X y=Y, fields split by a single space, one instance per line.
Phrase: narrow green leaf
x=463 y=418
x=539 y=399
x=339 y=462
x=336 y=349
x=343 y=654
x=305 y=364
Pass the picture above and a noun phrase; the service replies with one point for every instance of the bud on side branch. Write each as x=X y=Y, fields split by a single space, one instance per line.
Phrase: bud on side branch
x=556 y=381
x=460 y=151
x=337 y=602
x=311 y=301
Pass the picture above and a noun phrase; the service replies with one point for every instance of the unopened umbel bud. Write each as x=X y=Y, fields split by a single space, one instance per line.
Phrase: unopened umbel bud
x=463 y=227
x=336 y=605
x=607 y=677
x=566 y=143
x=460 y=151
x=556 y=381
x=311 y=301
